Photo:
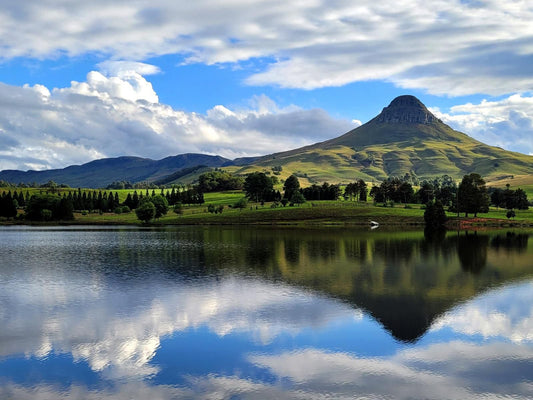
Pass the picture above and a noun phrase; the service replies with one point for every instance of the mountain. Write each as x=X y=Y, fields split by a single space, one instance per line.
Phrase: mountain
x=100 y=173
x=404 y=138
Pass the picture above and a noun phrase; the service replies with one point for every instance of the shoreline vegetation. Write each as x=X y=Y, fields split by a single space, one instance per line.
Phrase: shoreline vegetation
x=259 y=199
x=319 y=213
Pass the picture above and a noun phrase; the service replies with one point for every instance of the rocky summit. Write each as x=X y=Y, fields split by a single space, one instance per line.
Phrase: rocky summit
x=405 y=110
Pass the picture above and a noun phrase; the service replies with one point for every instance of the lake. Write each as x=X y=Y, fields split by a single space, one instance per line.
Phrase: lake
x=263 y=313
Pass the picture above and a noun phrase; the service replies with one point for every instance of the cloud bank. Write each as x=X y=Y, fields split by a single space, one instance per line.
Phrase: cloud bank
x=507 y=123
x=445 y=47
x=116 y=112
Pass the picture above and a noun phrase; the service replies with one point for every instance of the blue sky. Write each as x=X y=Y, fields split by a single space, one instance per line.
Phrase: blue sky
x=153 y=79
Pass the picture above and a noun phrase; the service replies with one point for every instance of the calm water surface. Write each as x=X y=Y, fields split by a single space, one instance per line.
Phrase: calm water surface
x=233 y=313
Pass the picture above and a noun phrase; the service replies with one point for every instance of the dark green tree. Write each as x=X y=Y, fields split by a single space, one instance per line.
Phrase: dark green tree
x=8 y=207
x=291 y=186
x=472 y=195
x=161 y=205
x=258 y=187
x=363 y=190
x=297 y=198
x=434 y=216
x=520 y=199
x=145 y=211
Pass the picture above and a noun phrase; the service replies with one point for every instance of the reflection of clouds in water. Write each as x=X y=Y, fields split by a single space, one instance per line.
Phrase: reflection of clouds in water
x=506 y=313
x=454 y=370
x=119 y=331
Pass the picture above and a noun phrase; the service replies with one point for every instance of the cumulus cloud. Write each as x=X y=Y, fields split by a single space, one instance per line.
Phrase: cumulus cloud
x=452 y=47
x=117 y=112
x=506 y=313
x=454 y=370
x=507 y=123
x=118 y=332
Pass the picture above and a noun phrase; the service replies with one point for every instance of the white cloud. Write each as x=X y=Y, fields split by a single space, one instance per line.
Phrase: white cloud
x=452 y=47
x=118 y=332
x=506 y=313
x=441 y=371
x=507 y=123
x=113 y=115
x=453 y=370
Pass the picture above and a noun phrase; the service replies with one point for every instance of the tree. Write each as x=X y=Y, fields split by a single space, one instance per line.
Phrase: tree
x=258 y=186
x=8 y=206
x=291 y=186
x=434 y=216
x=472 y=195
x=361 y=185
x=161 y=205
x=297 y=198
x=520 y=199
x=146 y=211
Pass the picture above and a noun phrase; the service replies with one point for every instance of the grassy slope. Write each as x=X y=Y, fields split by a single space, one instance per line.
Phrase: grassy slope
x=375 y=151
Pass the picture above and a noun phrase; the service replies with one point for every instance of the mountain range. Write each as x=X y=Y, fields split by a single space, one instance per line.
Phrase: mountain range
x=405 y=138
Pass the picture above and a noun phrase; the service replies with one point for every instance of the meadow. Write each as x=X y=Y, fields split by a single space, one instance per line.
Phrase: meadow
x=337 y=212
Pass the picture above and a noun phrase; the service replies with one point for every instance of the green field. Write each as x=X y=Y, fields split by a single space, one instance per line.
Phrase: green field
x=311 y=212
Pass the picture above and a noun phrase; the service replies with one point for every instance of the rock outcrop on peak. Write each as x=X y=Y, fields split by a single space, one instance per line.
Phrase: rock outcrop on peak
x=406 y=109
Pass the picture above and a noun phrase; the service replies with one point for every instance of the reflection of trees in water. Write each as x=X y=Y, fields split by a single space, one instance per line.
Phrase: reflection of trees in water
x=510 y=241
x=395 y=250
x=472 y=251
x=292 y=250
x=404 y=281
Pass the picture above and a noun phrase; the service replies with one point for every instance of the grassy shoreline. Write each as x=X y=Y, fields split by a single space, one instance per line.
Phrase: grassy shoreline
x=319 y=213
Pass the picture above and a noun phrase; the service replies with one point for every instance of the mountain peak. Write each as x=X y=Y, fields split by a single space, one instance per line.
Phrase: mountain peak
x=406 y=110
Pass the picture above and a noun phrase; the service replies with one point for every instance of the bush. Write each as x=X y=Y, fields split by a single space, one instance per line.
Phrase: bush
x=242 y=203
x=146 y=211
x=178 y=208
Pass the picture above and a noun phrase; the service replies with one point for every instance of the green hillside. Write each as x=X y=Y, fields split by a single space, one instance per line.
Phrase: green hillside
x=404 y=138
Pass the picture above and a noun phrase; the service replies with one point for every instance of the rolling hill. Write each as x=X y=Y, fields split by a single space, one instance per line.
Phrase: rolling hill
x=404 y=138
x=100 y=173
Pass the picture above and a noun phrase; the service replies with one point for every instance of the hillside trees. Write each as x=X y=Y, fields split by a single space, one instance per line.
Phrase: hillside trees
x=44 y=207
x=216 y=181
x=322 y=192
x=509 y=199
x=393 y=189
x=356 y=190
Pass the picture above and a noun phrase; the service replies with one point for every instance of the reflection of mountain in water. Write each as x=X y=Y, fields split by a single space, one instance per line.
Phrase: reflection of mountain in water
x=404 y=280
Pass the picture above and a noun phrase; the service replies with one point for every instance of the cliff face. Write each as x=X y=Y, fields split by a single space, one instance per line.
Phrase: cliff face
x=406 y=110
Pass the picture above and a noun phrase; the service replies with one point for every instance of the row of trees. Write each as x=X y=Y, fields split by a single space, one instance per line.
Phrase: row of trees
x=218 y=180
x=508 y=198
x=192 y=195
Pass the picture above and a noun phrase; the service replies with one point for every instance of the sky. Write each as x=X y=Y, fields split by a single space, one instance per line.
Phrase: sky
x=86 y=80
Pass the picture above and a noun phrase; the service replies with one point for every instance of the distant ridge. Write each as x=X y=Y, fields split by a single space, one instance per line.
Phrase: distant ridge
x=100 y=173
x=405 y=138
